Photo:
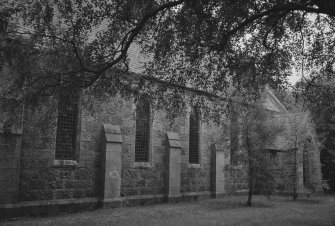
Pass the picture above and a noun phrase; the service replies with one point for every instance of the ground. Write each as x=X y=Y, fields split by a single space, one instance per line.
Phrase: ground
x=225 y=211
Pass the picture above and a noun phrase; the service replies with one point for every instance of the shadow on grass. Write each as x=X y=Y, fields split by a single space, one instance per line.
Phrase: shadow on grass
x=234 y=204
x=307 y=201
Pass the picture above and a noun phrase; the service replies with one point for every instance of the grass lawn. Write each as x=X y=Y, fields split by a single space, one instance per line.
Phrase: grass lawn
x=226 y=211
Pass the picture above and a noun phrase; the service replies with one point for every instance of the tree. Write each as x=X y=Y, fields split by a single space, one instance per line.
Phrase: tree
x=196 y=44
x=320 y=99
x=296 y=137
x=258 y=135
x=299 y=169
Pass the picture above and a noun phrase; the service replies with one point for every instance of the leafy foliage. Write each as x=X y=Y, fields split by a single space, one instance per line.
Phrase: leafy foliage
x=319 y=98
x=223 y=48
x=258 y=135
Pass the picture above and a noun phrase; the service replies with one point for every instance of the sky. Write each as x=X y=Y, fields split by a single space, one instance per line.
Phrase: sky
x=294 y=78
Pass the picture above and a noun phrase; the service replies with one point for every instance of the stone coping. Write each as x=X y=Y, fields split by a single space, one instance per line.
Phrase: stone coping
x=112 y=133
x=174 y=140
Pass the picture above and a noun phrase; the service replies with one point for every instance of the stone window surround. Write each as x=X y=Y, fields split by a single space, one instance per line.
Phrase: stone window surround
x=236 y=134
x=71 y=162
x=200 y=140
x=149 y=163
x=64 y=163
x=306 y=160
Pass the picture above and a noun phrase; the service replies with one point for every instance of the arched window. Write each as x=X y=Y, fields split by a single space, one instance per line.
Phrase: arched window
x=142 y=139
x=67 y=127
x=194 y=136
x=305 y=161
x=234 y=134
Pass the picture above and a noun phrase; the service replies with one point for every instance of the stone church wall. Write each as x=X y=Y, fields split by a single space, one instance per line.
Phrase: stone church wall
x=42 y=178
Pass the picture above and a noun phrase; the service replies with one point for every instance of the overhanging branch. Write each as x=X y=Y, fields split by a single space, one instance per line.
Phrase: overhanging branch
x=284 y=8
x=135 y=32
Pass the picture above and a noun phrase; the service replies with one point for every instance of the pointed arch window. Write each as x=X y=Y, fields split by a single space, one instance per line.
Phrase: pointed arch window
x=194 y=136
x=234 y=137
x=305 y=162
x=142 y=138
x=67 y=127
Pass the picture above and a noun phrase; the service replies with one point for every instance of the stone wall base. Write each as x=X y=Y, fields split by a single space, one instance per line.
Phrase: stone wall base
x=49 y=207
x=140 y=200
x=53 y=207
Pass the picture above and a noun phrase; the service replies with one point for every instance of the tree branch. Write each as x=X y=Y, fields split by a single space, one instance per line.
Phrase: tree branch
x=253 y=18
x=135 y=31
x=197 y=91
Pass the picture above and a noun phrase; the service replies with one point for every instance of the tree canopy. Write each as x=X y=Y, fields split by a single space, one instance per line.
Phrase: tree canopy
x=218 y=48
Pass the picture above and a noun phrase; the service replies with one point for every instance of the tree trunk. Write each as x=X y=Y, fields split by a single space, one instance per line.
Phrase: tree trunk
x=249 y=203
x=251 y=174
x=295 y=196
